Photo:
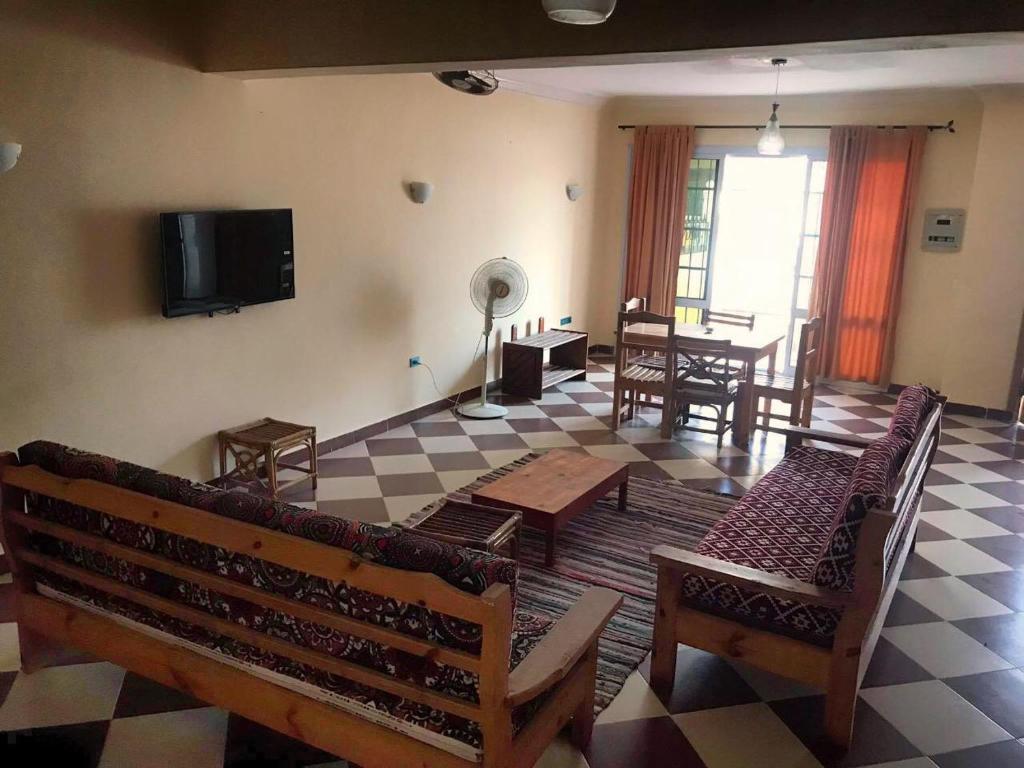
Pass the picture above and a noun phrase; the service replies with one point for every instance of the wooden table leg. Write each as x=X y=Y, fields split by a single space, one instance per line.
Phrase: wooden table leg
x=223 y=449
x=549 y=552
x=623 y=489
x=271 y=465
x=313 y=458
x=743 y=420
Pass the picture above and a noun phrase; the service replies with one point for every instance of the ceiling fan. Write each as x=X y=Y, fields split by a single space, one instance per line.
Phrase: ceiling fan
x=579 y=11
x=476 y=82
x=482 y=82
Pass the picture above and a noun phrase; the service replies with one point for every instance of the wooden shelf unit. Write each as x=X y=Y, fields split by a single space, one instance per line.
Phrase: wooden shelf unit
x=524 y=370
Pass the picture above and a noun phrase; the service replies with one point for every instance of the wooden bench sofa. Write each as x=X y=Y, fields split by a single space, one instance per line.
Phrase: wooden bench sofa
x=375 y=644
x=798 y=576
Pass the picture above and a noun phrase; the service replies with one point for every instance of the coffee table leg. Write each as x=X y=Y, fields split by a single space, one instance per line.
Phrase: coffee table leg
x=623 y=488
x=549 y=554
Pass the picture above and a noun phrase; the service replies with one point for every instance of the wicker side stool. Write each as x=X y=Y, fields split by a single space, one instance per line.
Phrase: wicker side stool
x=474 y=526
x=267 y=439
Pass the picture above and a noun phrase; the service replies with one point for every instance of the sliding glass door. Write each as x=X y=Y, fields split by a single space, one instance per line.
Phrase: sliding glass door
x=750 y=241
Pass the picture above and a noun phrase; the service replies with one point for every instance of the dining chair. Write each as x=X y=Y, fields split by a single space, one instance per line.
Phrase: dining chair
x=633 y=379
x=704 y=377
x=729 y=317
x=798 y=389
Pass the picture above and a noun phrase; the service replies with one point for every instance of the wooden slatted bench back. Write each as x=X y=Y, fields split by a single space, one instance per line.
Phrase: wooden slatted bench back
x=491 y=610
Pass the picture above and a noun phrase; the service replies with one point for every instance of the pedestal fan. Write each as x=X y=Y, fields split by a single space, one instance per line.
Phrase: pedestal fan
x=498 y=289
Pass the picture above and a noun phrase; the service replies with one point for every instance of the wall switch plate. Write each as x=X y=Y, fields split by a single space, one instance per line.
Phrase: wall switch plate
x=565 y=320
x=414 y=361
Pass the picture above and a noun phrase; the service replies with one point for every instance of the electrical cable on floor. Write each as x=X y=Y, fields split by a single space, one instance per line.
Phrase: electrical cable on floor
x=454 y=402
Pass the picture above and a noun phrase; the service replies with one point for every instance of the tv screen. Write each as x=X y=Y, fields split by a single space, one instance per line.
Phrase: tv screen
x=216 y=261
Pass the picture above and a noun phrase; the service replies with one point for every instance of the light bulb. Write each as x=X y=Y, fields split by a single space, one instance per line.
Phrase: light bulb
x=771 y=141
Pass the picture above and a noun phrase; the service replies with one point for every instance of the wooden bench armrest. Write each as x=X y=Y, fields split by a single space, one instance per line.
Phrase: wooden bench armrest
x=796 y=435
x=749 y=578
x=557 y=653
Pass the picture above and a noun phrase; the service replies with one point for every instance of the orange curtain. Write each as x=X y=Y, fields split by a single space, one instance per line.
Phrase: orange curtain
x=869 y=188
x=657 y=209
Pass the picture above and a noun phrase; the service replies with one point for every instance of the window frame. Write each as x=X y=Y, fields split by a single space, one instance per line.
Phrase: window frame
x=702 y=304
x=719 y=153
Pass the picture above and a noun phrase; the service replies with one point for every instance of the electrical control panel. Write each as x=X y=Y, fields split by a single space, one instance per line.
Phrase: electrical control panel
x=943 y=229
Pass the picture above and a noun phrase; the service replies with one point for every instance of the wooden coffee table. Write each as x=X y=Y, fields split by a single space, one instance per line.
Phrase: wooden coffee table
x=554 y=488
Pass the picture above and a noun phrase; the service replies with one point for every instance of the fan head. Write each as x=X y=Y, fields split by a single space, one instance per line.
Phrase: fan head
x=477 y=82
x=499 y=287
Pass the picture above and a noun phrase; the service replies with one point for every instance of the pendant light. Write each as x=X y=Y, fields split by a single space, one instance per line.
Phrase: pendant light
x=771 y=142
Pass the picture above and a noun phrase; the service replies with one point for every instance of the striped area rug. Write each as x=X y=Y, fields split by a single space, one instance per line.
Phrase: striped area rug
x=607 y=548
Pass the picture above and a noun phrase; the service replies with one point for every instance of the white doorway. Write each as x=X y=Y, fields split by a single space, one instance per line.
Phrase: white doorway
x=752 y=228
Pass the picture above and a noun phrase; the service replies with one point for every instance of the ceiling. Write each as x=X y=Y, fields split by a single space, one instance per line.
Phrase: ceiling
x=812 y=72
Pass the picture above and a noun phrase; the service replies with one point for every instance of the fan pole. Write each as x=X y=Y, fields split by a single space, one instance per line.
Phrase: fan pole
x=483 y=409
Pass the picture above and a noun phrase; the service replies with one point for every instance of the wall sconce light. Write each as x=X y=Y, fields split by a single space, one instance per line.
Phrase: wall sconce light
x=9 y=154
x=573 y=191
x=420 y=191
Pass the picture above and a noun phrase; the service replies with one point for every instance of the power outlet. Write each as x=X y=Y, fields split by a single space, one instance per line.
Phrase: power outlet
x=565 y=320
x=414 y=361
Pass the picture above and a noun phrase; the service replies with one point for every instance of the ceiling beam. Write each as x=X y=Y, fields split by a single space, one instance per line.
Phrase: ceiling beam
x=253 y=36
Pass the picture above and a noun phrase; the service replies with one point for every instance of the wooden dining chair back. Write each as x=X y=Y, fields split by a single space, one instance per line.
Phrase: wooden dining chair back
x=705 y=378
x=798 y=389
x=729 y=317
x=638 y=373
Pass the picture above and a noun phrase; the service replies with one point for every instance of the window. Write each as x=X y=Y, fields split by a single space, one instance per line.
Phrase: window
x=695 y=253
x=750 y=238
x=808 y=254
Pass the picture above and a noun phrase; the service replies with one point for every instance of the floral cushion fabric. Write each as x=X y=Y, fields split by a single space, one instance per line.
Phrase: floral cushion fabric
x=467 y=569
x=871 y=483
x=778 y=527
x=528 y=630
x=912 y=406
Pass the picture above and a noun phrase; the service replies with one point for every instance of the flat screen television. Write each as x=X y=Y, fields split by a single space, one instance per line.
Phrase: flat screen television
x=218 y=261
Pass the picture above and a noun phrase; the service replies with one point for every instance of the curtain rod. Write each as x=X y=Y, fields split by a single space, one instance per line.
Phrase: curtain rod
x=947 y=127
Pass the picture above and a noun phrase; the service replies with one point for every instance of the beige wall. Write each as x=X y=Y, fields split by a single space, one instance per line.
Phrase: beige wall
x=989 y=281
x=113 y=136
x=960 y=312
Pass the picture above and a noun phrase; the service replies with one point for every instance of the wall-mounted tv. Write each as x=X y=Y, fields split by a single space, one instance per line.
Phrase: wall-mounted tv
x=219 y=261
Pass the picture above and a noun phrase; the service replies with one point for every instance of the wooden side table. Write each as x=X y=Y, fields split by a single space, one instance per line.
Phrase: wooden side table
x=474 y=526
x=524 y=372
x=267 y=439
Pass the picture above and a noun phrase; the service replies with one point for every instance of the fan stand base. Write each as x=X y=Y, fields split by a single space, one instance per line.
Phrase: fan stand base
x=483 y=411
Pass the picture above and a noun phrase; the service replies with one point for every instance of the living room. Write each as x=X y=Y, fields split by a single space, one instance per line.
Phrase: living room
x=401 y=195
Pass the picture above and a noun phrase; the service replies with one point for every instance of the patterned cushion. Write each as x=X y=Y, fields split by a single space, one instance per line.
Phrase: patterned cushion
x=778 y=527
x=469 y=570
x=450 y=732
x=912 y=406
x=871 y=483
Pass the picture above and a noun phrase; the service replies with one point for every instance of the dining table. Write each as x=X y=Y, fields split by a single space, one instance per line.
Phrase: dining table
x=749 y=346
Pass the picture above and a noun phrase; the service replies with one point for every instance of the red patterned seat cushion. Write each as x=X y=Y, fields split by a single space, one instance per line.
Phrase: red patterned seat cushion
x=870 y=485
x=779 y=527
x=450 y=732
x=469 y=570
x=912 y=406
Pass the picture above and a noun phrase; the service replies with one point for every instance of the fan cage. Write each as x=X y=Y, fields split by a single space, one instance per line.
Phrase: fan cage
x=506 y=271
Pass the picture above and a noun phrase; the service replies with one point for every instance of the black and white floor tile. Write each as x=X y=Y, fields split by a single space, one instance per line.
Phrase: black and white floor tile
x=945 y=688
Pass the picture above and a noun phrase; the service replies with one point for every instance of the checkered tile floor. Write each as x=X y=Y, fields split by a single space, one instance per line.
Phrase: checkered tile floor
x=945 y=687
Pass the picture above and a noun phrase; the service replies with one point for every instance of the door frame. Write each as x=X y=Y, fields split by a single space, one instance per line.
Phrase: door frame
x=719 y=152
